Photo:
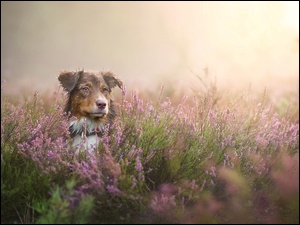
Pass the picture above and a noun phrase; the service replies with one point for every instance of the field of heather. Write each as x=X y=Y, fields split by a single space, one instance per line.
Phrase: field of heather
x=208 y=119
x=209 y=158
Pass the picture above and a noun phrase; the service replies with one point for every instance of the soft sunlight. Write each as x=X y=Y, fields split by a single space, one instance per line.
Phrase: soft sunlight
x=291 y=17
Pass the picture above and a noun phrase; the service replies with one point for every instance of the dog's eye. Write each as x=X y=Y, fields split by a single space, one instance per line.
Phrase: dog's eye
x=85 y=88
x=104 y=89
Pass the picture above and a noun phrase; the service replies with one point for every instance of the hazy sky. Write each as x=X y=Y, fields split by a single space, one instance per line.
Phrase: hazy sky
x=151 y=43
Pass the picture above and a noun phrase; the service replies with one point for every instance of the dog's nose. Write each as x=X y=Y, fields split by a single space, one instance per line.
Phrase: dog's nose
x=100 y=104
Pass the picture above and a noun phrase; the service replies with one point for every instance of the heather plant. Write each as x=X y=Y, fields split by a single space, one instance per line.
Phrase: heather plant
x=202 y=160
x=30 y=145
x=62 y=208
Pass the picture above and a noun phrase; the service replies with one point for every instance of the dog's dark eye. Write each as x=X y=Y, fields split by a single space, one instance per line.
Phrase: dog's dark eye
x=104 y=89
x=85 y=88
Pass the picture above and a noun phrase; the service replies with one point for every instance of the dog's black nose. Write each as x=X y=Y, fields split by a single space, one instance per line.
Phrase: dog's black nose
x=101 y=104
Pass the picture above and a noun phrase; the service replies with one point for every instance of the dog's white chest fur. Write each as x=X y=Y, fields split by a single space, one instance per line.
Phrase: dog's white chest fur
x=85 y=143
x=85 y=131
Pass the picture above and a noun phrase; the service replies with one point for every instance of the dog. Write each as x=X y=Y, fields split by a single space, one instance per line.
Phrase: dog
x=89 y=101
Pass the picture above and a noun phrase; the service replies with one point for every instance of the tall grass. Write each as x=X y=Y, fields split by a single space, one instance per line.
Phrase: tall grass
x=199 y=161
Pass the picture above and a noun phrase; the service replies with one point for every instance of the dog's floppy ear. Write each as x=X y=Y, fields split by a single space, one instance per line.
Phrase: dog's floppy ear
x=68 y=79
x=111 y=79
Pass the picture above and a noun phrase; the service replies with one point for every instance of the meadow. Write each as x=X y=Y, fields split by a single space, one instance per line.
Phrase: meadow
x=206 y=158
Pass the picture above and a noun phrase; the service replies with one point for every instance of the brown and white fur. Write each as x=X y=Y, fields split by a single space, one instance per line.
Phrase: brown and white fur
x=89 y=101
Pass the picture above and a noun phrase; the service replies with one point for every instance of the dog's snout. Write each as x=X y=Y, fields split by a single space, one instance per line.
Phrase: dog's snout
x=100 y=104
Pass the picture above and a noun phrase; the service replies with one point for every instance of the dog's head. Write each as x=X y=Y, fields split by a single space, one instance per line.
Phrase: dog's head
x=89 y=93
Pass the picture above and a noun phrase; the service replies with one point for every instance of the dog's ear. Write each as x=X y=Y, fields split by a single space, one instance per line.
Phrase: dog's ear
x=111 y=79
x=68 y=79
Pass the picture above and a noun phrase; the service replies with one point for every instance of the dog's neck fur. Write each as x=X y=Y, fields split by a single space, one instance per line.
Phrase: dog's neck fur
x=85 y=126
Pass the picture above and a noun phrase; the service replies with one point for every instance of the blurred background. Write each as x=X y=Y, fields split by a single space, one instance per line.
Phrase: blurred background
x=149 y=44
